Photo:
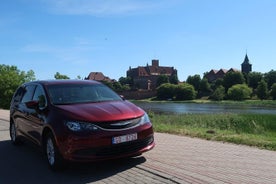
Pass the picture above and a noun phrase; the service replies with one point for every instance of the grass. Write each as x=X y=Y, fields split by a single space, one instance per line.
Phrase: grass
x=249 y=129
x=262 y=103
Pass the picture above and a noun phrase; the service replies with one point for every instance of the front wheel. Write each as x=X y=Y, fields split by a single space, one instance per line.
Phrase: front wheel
x=13 y=134
x=54 y=158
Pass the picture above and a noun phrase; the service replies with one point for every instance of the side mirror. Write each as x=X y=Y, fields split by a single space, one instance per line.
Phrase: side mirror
x=32 y=104
x=122 y=96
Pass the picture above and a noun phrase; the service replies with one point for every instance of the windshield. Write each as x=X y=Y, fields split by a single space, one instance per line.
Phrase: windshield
x=81 y=93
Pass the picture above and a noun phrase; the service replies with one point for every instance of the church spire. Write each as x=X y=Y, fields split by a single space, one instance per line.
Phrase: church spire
x=246 y=67
x=246 y=60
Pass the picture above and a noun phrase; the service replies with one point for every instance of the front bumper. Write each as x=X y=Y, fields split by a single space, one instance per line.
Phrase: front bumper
x=98 y=145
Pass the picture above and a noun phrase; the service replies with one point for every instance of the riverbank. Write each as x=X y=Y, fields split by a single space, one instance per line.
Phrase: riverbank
x=191 y=107
x=269 y=103
x=249 y=129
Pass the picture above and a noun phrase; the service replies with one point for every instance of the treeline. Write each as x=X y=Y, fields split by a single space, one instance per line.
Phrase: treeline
x=233 y=86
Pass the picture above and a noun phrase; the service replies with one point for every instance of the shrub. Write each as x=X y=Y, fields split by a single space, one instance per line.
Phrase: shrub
x=239 y=92
x=185 y=92
x=166 y=91
x=218 y=94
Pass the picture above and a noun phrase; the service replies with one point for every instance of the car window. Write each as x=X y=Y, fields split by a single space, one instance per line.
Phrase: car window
x=39 y=96
x=28 y=95
x=18 y=95
x=76 y=93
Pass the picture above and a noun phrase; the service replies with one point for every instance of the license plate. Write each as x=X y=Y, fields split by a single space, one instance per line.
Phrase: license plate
x=124 y=138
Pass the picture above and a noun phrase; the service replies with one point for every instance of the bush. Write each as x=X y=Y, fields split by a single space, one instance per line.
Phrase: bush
x=166 y=91
x=239 y=92
x=218 y=94
x=185 y=92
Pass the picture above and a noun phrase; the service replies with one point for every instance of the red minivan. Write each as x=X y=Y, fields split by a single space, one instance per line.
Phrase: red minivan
x=78 y=120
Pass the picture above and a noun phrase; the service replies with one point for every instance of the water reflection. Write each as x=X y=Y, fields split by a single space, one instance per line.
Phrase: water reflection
x=170 y=107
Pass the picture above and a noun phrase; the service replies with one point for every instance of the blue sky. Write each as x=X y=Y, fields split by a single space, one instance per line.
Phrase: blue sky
x=76 y=37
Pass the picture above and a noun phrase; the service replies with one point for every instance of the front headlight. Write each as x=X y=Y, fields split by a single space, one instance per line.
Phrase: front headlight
x=144 y=119
x=74 y=126
x=80 y=126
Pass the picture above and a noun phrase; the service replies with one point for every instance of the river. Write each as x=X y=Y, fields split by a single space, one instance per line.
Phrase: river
x=182 y=108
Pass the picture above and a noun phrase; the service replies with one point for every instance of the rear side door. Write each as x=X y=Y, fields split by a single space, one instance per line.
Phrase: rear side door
x=22 y=112
x=37 y=115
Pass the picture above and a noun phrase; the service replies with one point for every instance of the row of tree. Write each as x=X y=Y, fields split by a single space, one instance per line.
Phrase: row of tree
x=233 y=86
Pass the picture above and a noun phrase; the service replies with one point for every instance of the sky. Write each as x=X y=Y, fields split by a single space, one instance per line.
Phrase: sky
x=76 y=37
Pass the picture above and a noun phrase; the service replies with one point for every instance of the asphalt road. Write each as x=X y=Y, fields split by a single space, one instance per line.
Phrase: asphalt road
x=175 y=159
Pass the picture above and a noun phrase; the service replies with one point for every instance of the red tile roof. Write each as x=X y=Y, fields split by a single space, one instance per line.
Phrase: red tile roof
x=98 y=76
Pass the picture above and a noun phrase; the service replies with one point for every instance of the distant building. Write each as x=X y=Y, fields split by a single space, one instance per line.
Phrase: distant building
x=98 y=76
x=246 y=66
x=213 y=75
x=145 y=77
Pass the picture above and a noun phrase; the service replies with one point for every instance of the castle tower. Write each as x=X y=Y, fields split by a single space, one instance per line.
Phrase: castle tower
x=246 y=67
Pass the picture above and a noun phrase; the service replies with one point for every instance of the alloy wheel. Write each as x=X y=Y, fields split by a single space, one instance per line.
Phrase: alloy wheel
x=13 y=133
x=50 y=151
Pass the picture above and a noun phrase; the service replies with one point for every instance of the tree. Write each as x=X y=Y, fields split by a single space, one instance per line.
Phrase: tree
x=29 y=76
x=108 y=84
x=173 y=79
x=125 y=81
x=60 y=76
x=239 y=92
x=117 y=86
x=273 y=91
x=194 y=80
x=166 y=91
x=254 y=78
x=217 y=83
x=218 y=94
x=270 y=78
x=232 y=78
x=162 y=79
x=10 y=78
x=185 y=92
x=262 y=91
x=204 y=87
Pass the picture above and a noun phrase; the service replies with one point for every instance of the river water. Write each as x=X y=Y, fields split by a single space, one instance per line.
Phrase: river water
x=182 y=108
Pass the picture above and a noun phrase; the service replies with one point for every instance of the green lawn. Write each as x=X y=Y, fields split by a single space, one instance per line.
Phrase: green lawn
x=250 y=129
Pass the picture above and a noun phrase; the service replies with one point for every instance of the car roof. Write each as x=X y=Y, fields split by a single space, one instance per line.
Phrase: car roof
x=61 y=82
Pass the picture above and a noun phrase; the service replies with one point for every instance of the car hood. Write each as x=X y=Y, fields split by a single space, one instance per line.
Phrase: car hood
x=102 y=111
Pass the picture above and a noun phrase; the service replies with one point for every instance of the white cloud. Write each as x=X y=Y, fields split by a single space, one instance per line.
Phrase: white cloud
x=75 y=53
x=105 y=7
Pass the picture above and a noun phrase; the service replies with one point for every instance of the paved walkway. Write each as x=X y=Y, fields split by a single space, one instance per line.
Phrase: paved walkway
x=180 y=159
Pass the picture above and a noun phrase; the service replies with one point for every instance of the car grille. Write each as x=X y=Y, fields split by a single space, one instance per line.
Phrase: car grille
x=115 y=150
x=119 y=124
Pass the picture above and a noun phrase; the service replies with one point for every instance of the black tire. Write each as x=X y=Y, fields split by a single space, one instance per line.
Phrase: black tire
x=54 y=158
x=13 y=134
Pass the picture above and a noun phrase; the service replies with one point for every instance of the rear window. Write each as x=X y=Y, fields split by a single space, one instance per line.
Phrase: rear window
x=84 y=93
